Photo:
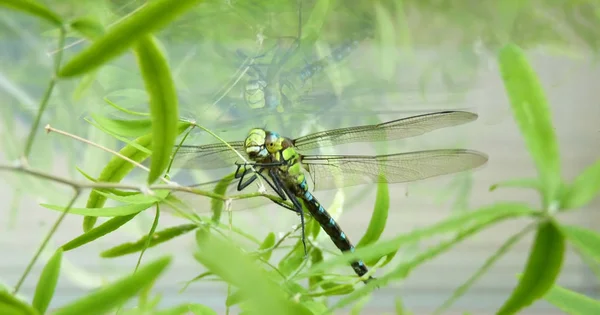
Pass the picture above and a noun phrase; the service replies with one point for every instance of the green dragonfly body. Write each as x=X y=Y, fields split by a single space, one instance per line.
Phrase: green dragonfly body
x=280 y=162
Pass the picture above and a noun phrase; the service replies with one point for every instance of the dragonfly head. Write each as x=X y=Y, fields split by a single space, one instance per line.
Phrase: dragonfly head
x=255 y=144
x=273 y=142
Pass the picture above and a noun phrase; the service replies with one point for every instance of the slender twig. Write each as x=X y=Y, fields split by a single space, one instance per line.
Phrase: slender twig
x=46 y=240
x=78 y=138
x=101 y=185
x=47 y=94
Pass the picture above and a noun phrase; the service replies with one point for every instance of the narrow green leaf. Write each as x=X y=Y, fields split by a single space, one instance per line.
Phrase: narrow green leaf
x=44 y=291
x=359 y=305
x=117 y=169
x=221 y=188
x=121 y=36
x=191 y=308
x=125 y=110
x=542 y=269
x=235 y=298
x=84 y=85
x=293 y=260
x=312 y=28
x=234 y=267
x=400 y=309
x=11 y=305
x=584 y=189
x=34 y=8
x=571 y=302
x=379 y=217
x=138 y=198
x=532 y=114
x=88 y=28
x=103 y=212
x=340 y=289
x=266 y=244
x=486 y=215
x=115 y=294
x=157 y=238
x=532 y=183
x=587 y=241
x=163 y=102
x=97 y=232
x=122 y=127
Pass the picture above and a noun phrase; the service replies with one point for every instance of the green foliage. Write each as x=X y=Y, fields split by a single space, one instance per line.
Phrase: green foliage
x=268 y=274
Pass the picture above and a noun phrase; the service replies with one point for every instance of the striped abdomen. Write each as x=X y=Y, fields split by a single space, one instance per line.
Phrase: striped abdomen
x=330 y=227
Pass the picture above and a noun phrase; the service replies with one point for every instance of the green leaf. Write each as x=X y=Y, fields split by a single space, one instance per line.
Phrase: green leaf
x=339 y=289
x=316 y=256
x=99 y=231
x=44 y=291
x=153 y=16
x=115 y=294
x=117 y=169
x=238 y=269
x=156 y=238
x=571 y=302
x=122 y=127
x=11 y=305
x=584 y=189
x=114 y=172
x=532 y=183
x=139 y=198
x=84 y=85
x=163 y=102
x=125 y=110
x=542 y=269
x=379 y=217
x=400 y=309
x=103 y=212
x=88 y=28
x=587 y=241
x=34 y=8
x=217 y=205
x=192 y=308
x=532 y=114
x=312 y=28
x=267 y=244
x=486 y=215
x=293 y=260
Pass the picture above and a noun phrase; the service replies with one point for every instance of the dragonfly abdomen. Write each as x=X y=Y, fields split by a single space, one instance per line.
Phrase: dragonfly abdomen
x=330 y=227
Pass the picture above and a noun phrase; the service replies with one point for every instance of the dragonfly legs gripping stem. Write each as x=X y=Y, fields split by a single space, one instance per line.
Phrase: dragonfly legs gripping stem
x=277 y=185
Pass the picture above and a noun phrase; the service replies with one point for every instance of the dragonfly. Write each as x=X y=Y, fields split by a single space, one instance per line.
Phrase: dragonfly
x=265 y=88
x=280 y=161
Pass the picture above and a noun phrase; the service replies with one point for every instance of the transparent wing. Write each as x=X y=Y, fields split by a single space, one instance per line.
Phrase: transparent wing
x=392 y=130
x=209 y=156
x=331 y=171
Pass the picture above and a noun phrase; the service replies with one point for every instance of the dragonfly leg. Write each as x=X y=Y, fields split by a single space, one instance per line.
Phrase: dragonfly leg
x=241 y=183
x=278 y=182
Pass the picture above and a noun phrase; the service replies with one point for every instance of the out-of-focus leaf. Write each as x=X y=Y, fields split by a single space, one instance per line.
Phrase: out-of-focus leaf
x=266 y=244
x=388 y=56
x=542 y=269
x=532 y=183
x=584 y=189
x=587 y=241
x=44 y=291
x=11 y=305
x=192 y=308
x=103 y=212
x=34 y=8
x=572 y=303
x=164 y=109
x=157 y=238
x=99 y=231
x=486 y=215
x=121 y=36
x=221 y=188
x=89 y=28
x=379 y=216
x=112 y=295
x=532 y=114
x=126 y=128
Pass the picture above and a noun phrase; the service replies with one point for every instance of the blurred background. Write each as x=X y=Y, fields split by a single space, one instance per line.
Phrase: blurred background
x=367 y=62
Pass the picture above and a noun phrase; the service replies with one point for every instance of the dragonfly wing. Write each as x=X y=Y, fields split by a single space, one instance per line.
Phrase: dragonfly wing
x=391 y=130
x=331 y=171
x=209 y=156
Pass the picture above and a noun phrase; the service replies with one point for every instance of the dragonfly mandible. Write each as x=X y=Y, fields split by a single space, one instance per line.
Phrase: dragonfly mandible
x=282 y=164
